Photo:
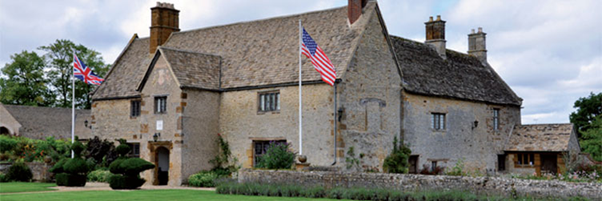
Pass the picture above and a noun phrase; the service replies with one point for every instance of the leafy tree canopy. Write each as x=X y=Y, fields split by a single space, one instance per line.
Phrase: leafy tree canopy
x=588 y=121
x=25 y=83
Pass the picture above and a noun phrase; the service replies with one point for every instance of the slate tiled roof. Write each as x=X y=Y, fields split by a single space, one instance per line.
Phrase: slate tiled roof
x=193 y=69
x=266 y=51
x=540 y=137
x=459 y=76
x=127 y=71
x=42 y=122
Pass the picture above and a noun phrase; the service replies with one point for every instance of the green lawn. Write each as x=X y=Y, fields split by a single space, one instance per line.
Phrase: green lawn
x=15 y=187
x=140 y=195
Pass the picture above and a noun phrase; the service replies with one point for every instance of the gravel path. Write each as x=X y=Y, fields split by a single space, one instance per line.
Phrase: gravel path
x=98 y=186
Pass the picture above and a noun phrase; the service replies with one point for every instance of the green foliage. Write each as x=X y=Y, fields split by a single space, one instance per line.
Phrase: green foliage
x=123 y=149
x=66 y=179
x=76 y=166
x=99 y=176
x=458 y=169
x=278 y=156
x=102 y=151
x=117 y=181
x=7 y=143
x=203 y=179
x=59 y=57
x=397 y=161
x=588 y=108
x=351 y=161
x=592 y=139
x=224 y=161
x=115 y=166
x=133 y=166
x=77 y=148
x=58 y=167
x=19 y=171
x=25 y=83
x=3 y=178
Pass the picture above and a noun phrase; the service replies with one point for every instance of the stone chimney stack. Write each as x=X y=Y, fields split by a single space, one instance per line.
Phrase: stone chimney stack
x=354 y=9
x=435 y=35
x=476 y=45
x=164 y=21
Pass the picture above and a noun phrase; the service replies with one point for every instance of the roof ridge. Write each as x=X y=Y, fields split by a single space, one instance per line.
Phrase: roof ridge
x=258 y=20
x=188 y=51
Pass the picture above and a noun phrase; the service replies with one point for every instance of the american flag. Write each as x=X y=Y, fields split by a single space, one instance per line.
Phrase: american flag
x=321 y=62
x=82 y=72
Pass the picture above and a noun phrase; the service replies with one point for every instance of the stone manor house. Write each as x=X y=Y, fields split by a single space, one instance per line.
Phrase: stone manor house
x=172 y=93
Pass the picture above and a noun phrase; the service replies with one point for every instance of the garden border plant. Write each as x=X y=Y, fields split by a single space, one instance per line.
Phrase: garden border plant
x=72 y=171
x=224 y=165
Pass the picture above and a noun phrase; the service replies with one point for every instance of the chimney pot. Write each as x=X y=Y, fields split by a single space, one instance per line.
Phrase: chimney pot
x=472 y=31
x=354 y=9
x=164 y=21
x=477 y=46
x=435 y=35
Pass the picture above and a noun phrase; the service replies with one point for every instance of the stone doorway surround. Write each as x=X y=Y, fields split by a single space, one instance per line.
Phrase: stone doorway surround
x=152 y=147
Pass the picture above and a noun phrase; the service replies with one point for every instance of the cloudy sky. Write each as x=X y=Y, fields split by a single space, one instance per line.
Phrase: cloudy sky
x=549 y=52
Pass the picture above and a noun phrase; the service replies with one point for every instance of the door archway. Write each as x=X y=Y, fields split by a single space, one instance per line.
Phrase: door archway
x=4 y=131
x=162 y=162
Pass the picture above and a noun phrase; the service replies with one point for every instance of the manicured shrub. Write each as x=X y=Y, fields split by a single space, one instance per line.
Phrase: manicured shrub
x=7 y=143
x=72 y=171
x=3 y=178
x=278 y=156
x=19 y=171
x=127 y=170
x=313 y=192
x=58 y=167
x=203 y=179
x=76 y=166
x=397 y=161
x=99 y=175
x=66 y=179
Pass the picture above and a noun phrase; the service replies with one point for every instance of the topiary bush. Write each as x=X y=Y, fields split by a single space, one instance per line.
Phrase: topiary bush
x=72 y=171
x=203 y=179
x=127 y=170
x=397 y=161
x=278 y=156
x=19 y=171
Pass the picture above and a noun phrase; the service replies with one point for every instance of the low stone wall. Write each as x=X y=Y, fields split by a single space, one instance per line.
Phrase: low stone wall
x=39 y=170
x=409 y=182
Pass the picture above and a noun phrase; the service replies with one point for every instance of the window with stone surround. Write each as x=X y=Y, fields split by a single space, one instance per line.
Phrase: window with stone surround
x=525 y=159
x=261 y=147
x=438 y=121
x=135 y=149
x=160 y=104
x=496 y=119
x=269 y=101
x=135 y=108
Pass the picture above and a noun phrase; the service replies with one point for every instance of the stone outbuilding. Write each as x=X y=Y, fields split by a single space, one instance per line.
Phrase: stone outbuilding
x=170 y=95
x=42 y=122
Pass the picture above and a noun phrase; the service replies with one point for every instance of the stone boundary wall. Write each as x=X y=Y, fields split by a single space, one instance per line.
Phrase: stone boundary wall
x=38 y=169
x=404 y=182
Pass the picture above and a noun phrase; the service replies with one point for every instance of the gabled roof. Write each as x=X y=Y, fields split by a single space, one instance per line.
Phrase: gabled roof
x=540 y=137
x=126 y=72
x=191 y=69
x=42 y=122
x=459 y=76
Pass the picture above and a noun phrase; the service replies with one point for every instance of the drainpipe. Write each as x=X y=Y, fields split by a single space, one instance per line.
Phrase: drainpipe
x=335 y=123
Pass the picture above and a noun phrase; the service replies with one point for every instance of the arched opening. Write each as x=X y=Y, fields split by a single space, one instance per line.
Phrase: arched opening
x=4 y=131
x=162 y=162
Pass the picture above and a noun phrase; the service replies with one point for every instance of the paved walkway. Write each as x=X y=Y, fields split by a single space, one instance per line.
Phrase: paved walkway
x=98 y=186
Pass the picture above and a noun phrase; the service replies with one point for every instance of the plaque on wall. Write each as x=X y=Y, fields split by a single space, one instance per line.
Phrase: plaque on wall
x=159 y=125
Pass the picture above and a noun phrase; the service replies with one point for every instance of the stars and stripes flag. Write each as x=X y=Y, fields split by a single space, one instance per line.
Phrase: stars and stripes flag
x=321 y=63
x=82 y=72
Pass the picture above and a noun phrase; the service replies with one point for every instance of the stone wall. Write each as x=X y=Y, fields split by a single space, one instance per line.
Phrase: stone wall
x=410 y=182
x=477 y=146
x=38 y=169
x=8 y=121
x=370 y=94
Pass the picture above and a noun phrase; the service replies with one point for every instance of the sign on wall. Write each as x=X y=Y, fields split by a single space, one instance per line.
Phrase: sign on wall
x=159 y=125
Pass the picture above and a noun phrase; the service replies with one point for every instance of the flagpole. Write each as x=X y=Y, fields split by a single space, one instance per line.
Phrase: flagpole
x=73 y=106
x=300 y=94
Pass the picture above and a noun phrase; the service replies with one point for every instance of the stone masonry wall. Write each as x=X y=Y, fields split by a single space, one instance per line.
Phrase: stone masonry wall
x=200 y=126
x=411 y=182
x=370 y=94
x=38 y=169
x=8 y=121
x=477 y=146
x=241 y=123
x=161 y=82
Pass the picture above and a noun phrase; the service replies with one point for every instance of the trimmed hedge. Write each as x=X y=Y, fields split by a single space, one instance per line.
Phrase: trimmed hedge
x=19 y=171
x=125 y=181
x=65 y=179
x=127 y=170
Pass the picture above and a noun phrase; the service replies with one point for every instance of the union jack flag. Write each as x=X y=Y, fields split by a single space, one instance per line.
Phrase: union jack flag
x=82 y=72
x=318 y=58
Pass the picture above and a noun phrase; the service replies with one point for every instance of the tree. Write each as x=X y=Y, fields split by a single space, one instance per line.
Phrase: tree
x=26 y=84
x=60 y=60
x=592 y=139
x=588 y=109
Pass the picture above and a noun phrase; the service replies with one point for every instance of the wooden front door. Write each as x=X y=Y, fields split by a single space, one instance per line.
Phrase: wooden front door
x=413 y=164
x=548 y=164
